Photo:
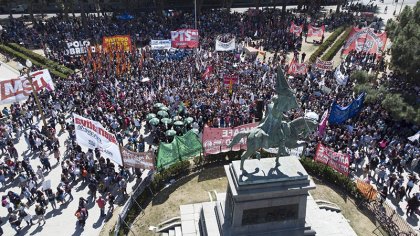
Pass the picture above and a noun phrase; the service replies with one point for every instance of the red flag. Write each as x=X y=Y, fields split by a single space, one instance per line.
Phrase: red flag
x=208 y=72
x=316 y=31
x=296 y=29
x=365 y=40
x=296 y=68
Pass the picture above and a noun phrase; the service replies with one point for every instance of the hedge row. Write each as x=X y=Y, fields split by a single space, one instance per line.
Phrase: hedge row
x=41 y=59
x=7 y=50
x=328 y=174
x=329 y=55
x=326 y=44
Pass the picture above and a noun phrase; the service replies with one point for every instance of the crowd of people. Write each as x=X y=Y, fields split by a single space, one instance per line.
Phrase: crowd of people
x=119 y=89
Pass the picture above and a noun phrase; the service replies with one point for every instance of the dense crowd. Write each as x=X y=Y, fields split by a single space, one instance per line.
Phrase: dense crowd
x=120 y=89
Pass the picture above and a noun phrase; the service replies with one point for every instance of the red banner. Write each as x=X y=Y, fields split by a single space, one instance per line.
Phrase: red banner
x=365 y=40
x=116 y=42
x=227 y=80
x=315 y=31
x=296 y=29
x=208 y=72
x=296 y=68
x=184 y=38
x=216 y=140
x=338 y=161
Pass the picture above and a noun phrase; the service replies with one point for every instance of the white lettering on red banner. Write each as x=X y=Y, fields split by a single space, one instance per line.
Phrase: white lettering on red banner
x=216 y=140
x=140 y=160
x=315 y=31
x=365 y=40
x=336 y=160
x=184 y=38
x=15 y=90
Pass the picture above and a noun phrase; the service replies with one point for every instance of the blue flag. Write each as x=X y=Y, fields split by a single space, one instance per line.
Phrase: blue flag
x=339 y=114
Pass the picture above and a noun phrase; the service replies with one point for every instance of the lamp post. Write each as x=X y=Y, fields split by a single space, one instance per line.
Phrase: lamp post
x=28 y=64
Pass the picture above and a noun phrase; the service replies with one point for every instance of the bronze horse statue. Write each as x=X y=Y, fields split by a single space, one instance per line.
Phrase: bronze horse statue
x=273 y=132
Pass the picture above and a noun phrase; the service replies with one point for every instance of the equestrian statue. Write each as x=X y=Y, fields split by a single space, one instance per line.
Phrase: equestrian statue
x=273 y=131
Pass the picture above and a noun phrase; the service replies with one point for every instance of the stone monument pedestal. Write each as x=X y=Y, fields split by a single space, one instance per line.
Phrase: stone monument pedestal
x=266 y=199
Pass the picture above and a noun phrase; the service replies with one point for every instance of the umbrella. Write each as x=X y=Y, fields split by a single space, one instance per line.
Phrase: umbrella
x=178 y=122
x=312 y=115
x=154 y=121
x=189 y=120
x=157 y=105
x=163 y=113
x=177 y=118
x=170 y=132
x=164 y=108
x=150 y=116
x=146 y=79
x=166 y=120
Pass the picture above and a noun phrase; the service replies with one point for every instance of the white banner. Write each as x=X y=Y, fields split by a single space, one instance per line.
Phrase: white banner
x=339 y=77
x=92 y=134
x=160 y=44
x=16 y=90
x=229 y=46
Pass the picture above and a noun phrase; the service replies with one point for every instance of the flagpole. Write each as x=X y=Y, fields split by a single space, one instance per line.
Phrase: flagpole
x=195 y=13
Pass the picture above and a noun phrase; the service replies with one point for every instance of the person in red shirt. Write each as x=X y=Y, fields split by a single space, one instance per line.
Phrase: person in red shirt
x=101 y=204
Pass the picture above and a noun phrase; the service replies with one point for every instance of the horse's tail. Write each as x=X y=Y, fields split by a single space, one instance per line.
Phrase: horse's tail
x=238 y=138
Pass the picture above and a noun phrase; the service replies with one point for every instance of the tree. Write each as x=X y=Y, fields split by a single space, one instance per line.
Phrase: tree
x=405 y=49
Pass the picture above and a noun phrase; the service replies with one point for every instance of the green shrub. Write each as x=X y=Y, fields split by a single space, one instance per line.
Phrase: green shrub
x=41 y=59
x=329 y=55
x=326 y=44
x=7 y=50
x=329 y=175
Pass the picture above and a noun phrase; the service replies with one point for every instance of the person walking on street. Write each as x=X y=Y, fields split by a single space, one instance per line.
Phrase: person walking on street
x=101 y=204
x=111 y=199
x=40 y=213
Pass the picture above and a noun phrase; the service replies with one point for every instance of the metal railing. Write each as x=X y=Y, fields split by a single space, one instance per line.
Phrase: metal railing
x=132 y=200
x=389 y=220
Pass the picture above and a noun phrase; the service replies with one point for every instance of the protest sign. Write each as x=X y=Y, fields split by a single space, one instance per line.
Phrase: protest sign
x=216 y=140
x=140 y=160
x=160 y=44
x=184 y=38
x=77 y=48
x=296 y=29
x=324 y=65
x=315 y=31
x=296 y=68
x=365 y=40
x=18 y=89
x=117 y=42
x=91 y=134
x=221 y=46
x=336 y=160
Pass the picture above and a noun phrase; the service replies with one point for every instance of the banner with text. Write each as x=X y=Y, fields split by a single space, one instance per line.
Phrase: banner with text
x=184 y=38
x=221 y=46
x=365 y=40
x=296 y=29
x=18 y=89
x=336 y=160
x=140 y=160
x=216 y=140
x=296 y=68
x=116 y=43
x=160 y=44
x=91 y=134
x=324 y=65
x=77 y=48
x=315 y=31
